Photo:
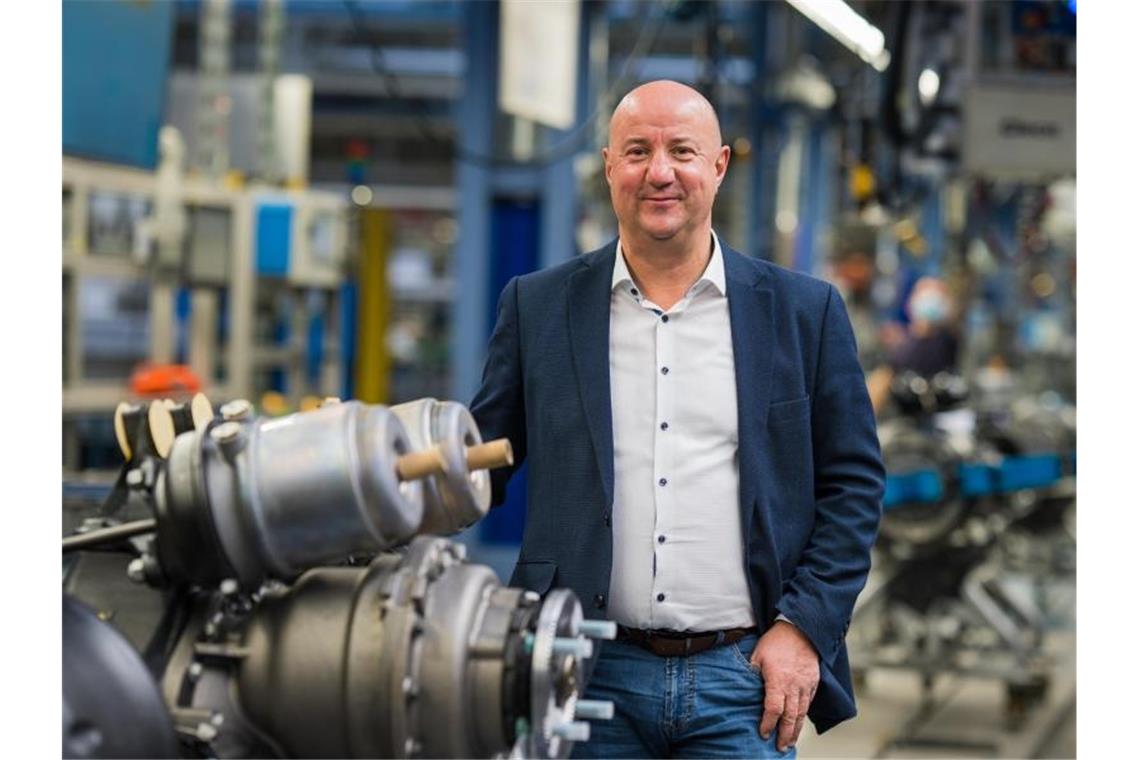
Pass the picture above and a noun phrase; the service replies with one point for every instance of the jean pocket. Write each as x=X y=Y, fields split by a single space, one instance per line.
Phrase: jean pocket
x=742 y=652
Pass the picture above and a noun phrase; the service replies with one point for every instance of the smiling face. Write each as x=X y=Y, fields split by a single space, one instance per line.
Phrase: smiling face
x=664 y=162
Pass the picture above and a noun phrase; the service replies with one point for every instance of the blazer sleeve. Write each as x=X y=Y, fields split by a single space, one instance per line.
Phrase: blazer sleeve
x=498 y=407
x=849 y=477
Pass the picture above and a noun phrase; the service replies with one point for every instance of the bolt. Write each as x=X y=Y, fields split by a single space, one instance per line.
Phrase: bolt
x=411 y=746
x=136 y=570
x=594 y=709
x=217 y=719
x=135 y=477
x=228 y=587
x=598 y=629
x=206 y=732
x=195 y=671
x=238 y=409
x=573 y=732
x=410 y=689
x=577 y=647
x=226 y=432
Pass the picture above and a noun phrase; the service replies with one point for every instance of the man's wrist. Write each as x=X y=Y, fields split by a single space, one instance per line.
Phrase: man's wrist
x=782 y=618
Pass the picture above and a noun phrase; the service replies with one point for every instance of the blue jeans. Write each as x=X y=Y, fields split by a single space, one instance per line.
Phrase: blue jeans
x=704 y=705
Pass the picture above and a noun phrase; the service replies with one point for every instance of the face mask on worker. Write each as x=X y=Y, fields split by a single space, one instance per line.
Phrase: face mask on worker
x=929 y=307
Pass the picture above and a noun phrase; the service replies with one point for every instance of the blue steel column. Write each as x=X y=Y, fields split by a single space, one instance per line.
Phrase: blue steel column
x=765 y=118
x=814 y=199
x=554 y=186
x=560 y=205
x=933 y=227
x=475 y=121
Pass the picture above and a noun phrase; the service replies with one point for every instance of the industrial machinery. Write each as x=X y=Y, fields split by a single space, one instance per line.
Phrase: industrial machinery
x=966 y=487
x=279 y=596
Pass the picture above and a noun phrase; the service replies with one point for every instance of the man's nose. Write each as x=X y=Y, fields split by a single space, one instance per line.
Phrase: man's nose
x=660 y=169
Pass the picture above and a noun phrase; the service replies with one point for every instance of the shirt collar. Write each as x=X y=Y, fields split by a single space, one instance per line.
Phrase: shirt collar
x=713 y=274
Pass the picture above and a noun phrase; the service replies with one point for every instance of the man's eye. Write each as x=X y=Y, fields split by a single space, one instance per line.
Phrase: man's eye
x=637 y=151
x=683 y=151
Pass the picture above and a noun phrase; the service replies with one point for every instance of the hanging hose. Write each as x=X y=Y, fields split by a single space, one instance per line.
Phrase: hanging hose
x=107 y=535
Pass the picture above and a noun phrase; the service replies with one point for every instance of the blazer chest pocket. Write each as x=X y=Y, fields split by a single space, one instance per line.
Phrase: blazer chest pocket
x=783 y=412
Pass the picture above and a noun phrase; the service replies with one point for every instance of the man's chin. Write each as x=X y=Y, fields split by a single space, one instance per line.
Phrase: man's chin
x=661 y=233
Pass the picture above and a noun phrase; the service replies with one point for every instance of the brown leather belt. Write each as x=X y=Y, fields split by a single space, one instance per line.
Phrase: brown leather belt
x=681 y=644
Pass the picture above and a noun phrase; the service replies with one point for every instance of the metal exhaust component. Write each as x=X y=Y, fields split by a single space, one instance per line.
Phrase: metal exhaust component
x=256 y=498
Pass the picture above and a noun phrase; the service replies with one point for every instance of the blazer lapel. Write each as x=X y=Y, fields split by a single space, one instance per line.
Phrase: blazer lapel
x=750 y=311
x=588 y=294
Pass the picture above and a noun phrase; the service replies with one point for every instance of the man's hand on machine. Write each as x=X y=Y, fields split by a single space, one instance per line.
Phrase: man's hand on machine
x=789 y=665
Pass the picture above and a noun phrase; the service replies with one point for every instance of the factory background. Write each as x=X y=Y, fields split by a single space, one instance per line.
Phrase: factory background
x=290 y=200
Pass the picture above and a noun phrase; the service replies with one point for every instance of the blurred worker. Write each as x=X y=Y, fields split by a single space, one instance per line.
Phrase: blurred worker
x=704 y=466
x=853 y=272
x=929 y=345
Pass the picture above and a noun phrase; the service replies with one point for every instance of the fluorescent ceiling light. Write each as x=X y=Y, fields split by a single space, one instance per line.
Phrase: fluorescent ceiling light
x=839 y=20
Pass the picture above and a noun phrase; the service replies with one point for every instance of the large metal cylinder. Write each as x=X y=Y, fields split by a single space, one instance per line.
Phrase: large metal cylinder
x=274 y=497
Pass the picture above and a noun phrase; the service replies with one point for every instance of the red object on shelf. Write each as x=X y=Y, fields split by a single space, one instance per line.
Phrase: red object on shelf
x=160 y=379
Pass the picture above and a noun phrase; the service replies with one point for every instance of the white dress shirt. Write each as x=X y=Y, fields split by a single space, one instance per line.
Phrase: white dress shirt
x=678 y=554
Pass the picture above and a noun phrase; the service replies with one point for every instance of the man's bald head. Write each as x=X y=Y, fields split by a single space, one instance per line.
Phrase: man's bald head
x=664 y=164
x=666 y=94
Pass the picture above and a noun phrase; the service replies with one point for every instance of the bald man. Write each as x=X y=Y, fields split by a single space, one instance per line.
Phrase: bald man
x=703 y=463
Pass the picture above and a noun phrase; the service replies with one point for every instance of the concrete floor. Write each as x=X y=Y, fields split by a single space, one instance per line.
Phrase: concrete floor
x=967 y=719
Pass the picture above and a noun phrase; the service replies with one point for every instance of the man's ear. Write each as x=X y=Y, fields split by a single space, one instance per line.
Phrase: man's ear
x=606 y=163
x=722 y=163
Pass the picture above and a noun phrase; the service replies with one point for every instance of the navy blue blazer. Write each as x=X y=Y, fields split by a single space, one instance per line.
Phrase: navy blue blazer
x=811 y=476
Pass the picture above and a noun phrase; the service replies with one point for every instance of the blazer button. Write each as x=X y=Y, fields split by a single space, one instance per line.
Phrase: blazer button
x=600 y=601
x=608 y=519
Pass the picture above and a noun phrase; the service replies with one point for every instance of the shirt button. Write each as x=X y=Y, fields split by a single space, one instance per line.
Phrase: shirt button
x=599 y=601
x=663 y=482
x=665 y=318
x=661 y=539
x=660 y=597
x=664 y=370
x=664 y=425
